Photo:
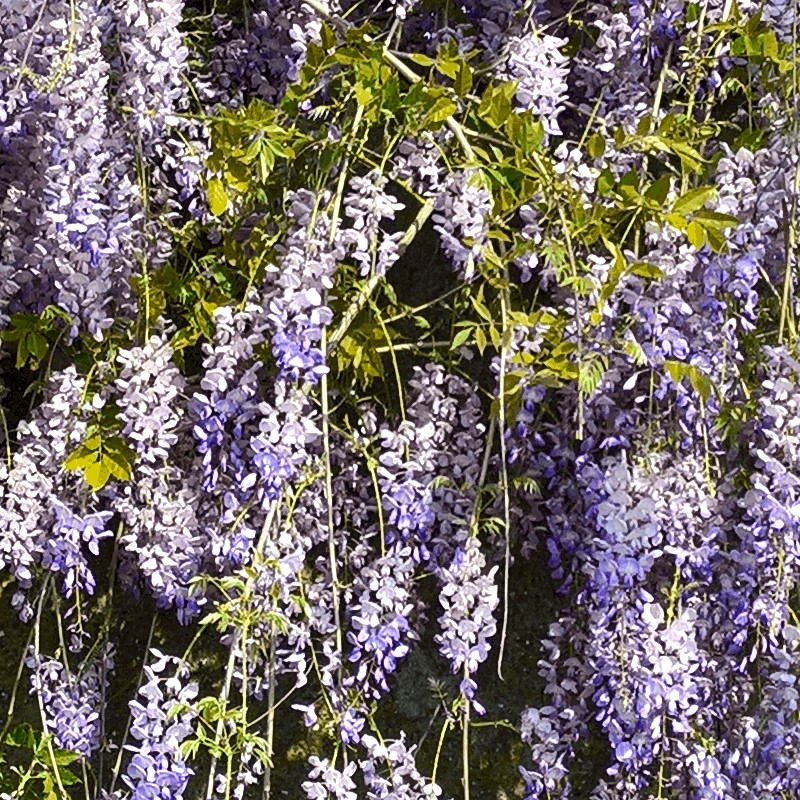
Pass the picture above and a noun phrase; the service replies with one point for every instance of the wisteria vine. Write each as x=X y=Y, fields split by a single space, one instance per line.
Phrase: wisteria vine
x=399 y=400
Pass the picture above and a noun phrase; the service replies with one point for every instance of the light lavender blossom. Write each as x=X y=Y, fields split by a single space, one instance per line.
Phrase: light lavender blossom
x=390 y=772
x=469 y=599
x=72 y=703
x=367 y=205
x=536 y=62
x=460 y=219
x=325 y=782
x=157 y=768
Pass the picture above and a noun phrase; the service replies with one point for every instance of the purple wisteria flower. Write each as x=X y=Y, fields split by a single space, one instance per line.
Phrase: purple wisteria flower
x=418 y=161
x=469 y=599
x=295 y=291
x=380 y=629
x=154 y=57
x=325 y=782
x=69 y=205
x=226 y=409
x=156 y=769
x=449 y=432
x=649 y=344
x=653 y=26
x=72 y=703
x=159 y=506
x=38 y=498
x=64 y=549
x=259 y=55
x=251 y=448
x=390 y=772
x=367 y=204
x=536 y=62
x=460 y=219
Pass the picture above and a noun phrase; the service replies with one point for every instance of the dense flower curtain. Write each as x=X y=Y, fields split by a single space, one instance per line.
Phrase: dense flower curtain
x=399 y=399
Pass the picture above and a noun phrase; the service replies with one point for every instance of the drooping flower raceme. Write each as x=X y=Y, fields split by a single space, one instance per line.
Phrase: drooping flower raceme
x=68 y=241
x=72 y=703
x=32 y=532
x=152 y=97
x=295 y=289
x=380 y=620
x=367 y=205
x=157 y=769
x=159 y=506
x=460 y=219
x=390 y=772
x=325 y=782
x=448 y=435
x=418 y=161
x=64 y=549
x=154 y=60
x=469 y=599
x=536 y=62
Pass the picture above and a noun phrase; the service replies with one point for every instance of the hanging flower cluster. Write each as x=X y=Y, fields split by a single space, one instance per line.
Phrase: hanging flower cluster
x=424 y=377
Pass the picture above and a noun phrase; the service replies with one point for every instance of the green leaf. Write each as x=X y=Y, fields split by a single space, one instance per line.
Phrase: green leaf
x=118 y=458
x=527 y=132
x=80 y=458
x=65 y=757
x=93 y=441
x=644 y=125
x=443 y=108
x=677 y=221
x=693 y=200
x=363 y=94
x=185 y=337
x=512 y=396
x=646 y=270
x=591 y=373
x=22 y=735
x=696 y=234
x=715 y=219
x=460 y=337
x=605 y=181
x=252 y=151
x=668 y=123
x=769 y=45
x=266 y=163
x=677 y=370
x=448 y=68
x=635 y=351
x=422 y=60
x=327 y=36
x=480 y=306
x=217 y=197
x=68 y=778
x=463 y=80
x=97 y=474
x=495 y=104
x=596 y=146
x=753 y=23
x=390 y=102
x=659 y=189
x=37 y=346
x=716 y=240
x=690 y=158
x=480 y=339
x=614 y=274
x=699 y=380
